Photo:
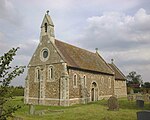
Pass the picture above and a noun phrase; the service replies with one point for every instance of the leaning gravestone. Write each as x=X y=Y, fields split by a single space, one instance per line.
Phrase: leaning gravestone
x=140 y=103
x=31 y=109
x=113 y=103
x=143 y=115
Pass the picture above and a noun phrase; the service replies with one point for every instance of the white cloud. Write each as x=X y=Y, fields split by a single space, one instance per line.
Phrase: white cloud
x=116 y=29
x=123 y=37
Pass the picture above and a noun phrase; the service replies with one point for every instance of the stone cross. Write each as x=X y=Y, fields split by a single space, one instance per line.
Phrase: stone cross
x=47 y=12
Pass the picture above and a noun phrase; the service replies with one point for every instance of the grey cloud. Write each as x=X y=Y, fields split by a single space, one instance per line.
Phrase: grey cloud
x=27 y=48
x=9 y=14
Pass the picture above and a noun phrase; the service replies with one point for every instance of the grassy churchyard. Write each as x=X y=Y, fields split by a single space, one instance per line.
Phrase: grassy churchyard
x=91 y=111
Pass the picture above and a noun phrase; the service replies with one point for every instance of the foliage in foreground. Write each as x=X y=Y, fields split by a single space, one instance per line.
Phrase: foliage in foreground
x=7 y=74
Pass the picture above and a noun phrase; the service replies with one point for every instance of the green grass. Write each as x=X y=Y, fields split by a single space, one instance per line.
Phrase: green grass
x=91 y=111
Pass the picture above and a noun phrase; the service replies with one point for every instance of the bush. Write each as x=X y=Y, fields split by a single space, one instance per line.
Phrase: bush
x=137 y=90
x=18 y=92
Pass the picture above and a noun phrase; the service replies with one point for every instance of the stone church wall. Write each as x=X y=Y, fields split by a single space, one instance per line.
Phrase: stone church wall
x=120 y=88
x=46 y=91
x=105 y=88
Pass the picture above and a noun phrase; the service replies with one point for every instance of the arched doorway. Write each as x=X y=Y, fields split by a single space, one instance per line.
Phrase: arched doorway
x=94 y=92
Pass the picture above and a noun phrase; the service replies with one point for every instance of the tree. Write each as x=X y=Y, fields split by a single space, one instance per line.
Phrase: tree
x=7 y=74
x=146 y=85
x=134 y=80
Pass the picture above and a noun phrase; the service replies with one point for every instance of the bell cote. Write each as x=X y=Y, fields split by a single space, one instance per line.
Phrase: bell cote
x=47 y=27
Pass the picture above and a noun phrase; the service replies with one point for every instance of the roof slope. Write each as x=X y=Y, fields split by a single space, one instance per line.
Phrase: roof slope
x=83 y=59
x=118 y=74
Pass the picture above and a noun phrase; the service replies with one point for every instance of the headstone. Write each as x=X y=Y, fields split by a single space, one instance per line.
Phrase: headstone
x=131 y=91
x=113 y=103
x=130 y=97
x=140 y=103
x=31 y=109
x=143 y=115
x=146 y=97
x=139 y=97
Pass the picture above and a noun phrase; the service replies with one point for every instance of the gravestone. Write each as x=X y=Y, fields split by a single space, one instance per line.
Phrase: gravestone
x=113 y=103
x=130 y=97
x=143 y=115
x=140 y=103
x=139 y=97
x=146 y=97
x=131 y=91
x=31 y=109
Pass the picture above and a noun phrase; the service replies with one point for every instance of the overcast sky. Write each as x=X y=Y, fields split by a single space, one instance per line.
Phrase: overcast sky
x=120 y=29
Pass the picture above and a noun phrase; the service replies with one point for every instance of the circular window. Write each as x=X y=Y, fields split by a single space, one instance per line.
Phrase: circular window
x=44 y=54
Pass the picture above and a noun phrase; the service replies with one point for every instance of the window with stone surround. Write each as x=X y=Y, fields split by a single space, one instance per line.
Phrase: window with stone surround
x=74 y=80
x=50 y=72
x=109 y=82
x=37 y=74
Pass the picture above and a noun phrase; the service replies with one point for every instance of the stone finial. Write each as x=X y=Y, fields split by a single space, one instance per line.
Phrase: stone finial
x=96 y=49
x=47 y=12
x=112 y=60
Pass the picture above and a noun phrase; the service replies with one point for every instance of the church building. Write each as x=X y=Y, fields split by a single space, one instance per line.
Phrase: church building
x=61 y=74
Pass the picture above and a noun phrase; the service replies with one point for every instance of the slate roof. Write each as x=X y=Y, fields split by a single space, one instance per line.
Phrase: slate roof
x=118 y=74
x=80 y=58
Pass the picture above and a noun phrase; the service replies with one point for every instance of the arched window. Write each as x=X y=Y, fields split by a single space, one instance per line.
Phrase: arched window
x=45 y=25
x=37 y=74
x=75 y=80
x=50 y=72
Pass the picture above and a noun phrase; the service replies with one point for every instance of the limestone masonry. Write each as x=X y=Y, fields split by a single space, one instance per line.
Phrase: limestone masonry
x=63 y=74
